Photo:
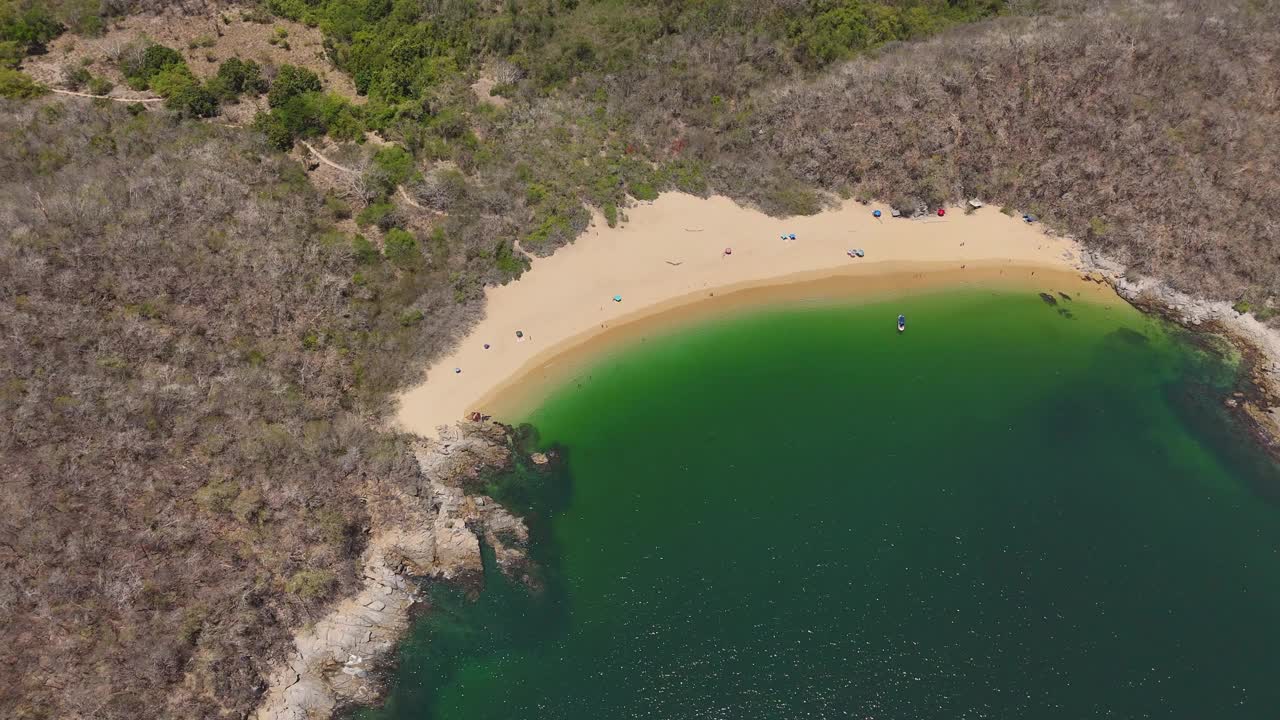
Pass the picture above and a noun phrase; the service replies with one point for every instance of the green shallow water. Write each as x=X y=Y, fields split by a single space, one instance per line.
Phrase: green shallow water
x=1005 y=512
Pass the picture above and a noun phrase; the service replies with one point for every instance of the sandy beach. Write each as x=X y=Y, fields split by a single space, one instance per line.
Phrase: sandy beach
x=669 y=263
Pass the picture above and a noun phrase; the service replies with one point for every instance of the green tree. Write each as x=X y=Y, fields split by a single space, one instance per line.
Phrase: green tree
x=183 y=93
x=364 y=251
x=275 y=129
x=241 y=76
x=291 y=82
x=401 y=248
x=32 y=28
x=11 y=54
x=156 y=59
x=14 y=84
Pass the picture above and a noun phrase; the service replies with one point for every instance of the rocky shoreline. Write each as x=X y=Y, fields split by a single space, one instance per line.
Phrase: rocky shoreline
x=1257 y=407
x=433 y=530
x=437 y=529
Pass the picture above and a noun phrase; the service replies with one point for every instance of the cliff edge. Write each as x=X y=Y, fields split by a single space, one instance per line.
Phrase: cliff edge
x=430 y=530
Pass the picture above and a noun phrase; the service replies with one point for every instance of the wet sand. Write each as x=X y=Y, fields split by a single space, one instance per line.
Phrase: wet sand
x=669 y=266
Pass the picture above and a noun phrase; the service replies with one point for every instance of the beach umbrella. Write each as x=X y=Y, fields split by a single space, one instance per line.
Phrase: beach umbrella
x=876 y=213
x=457 y=370
x=617 y=298
x=519 y=333
x=942 y=211
x=728 y=251
x=792 y=236
x=486 y=346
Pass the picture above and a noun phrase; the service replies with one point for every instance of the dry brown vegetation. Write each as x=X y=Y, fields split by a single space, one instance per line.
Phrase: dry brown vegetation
x=1145 y=129
x=196 y=344
x=205 y=35
x=190 y=376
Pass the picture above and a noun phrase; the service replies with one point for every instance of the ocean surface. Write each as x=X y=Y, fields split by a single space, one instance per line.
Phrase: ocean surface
x=1014 y=509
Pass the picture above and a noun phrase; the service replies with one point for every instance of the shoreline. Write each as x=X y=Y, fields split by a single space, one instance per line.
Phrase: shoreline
x=314 y=682
x=671 y=258
x=513 y=399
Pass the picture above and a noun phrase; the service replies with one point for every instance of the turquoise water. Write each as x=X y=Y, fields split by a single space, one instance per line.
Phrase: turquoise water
x=1013 y=510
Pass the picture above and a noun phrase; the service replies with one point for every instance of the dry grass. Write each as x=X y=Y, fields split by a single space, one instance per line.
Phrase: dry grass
x=214 y=41
x=185 y=430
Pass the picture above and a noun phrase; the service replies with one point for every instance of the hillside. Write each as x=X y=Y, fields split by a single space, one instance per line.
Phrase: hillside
x=200 y=334
x=187 y=436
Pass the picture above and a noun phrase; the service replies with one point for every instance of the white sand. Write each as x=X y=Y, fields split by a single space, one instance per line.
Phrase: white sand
x=566 y=299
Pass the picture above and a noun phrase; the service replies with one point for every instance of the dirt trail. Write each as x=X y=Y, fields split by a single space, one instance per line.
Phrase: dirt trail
x=404 y=195
x=326 y=160
x=107 y=97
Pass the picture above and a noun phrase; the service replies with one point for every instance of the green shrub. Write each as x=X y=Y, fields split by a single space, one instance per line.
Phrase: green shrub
x=449 y=124
x=611 y=214
x=507 y=262
x=396 y=162
x=1241 y=306
x=248 y=506
x=76 y=78
x=685 y=176
x=183 y=93
x=346 y=124
x=11 y=54
x=242 y=76
x=16 y=85
x=553 y=226
x=140 y=69
x=274 y=128
x=409 y=318
x=100 y=86
x=364 y=251
x=31 y=28
x=401 y=248
x=291 y=82
x=642 y=191
x=312 y=114
x=310 y=584
x=256 y=14
x=794 y=200
x=333 y=526
x=216 y=495
x=392 y=166
x=337 y=207
x=306 y=115
x=1097 y=227
x=381 y=214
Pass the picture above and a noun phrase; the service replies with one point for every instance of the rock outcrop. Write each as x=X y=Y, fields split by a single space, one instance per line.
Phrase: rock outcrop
x=435 y=531
x=1260 y=343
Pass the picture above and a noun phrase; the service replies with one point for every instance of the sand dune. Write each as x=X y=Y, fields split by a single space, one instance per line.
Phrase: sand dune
x=671 y=255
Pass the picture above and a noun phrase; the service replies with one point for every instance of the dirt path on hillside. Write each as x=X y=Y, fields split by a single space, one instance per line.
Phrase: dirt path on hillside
x=106 y=97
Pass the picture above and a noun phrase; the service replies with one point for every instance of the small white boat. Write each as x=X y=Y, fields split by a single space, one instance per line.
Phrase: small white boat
x=902 y=323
